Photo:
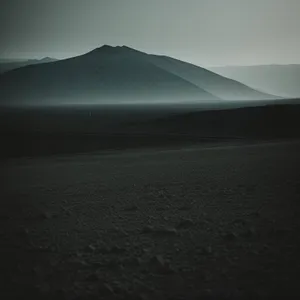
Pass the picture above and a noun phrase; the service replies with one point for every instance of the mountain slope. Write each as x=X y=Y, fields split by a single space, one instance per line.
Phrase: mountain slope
x=220 y=86
x=107 y=74
x=118 y=74
x=282 y=80
x=11 y=65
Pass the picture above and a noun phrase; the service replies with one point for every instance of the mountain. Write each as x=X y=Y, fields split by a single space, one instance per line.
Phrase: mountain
x=224 y=88
x=115 y=75
x=281 y=80
x=6 y=65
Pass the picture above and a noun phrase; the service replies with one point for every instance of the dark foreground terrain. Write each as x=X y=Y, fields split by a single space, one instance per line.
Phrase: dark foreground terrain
x=193 y=223
x=43 y=131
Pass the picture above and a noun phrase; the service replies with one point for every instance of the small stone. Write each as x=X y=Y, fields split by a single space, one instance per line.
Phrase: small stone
x=148 y=229
x=92 y=277
x=131 y=208
x=105 y=289
x=61 y=294
x=249 y=232
x=161 y=265
x=91 y=248
x=206 y=250
x=185 y=207
x=166 y=231
x=185 y=224
x=116 y=250
x=79 y=262
x=231 y=236
x=239 y=221
x=46 y=215
x=44 y=288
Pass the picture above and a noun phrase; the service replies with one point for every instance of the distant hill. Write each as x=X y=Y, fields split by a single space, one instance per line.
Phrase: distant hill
x=8 y=65
x=281 y=80
x=267 y=121
x=118 y=74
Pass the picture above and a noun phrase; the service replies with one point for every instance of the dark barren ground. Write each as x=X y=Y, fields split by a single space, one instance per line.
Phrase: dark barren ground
x=217 y=221
x=183 y=212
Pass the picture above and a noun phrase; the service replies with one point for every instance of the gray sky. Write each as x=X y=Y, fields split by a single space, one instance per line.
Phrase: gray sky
x=205 y=32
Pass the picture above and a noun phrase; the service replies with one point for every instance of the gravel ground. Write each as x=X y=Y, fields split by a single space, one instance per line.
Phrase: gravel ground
x=194 y=223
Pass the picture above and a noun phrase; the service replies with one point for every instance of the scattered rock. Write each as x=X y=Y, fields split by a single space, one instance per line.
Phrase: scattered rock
x=161 y=265
x=250 y=232
x=162 y=208
x=115 y=264
x=185 y=224
x=46 y=215
x=105 y=289
x=206 y=250
x=97 y=264
x=148 y=229
x=90 y=248
x=67 y=211
x=185 y=207
x=44 y=288
x=231 y=236
x=131 y=208
x=78 y=262
x=239 y=221
x=165 y=231
x=92 y=277
x=62 y=294
x=140 y=288
x=24 y=232
x=116 y=250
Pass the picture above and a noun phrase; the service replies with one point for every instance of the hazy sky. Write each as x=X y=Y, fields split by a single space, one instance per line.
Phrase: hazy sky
x=205 y=32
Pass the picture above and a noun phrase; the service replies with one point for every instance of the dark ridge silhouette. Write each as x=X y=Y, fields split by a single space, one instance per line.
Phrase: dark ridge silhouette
x=118 y=74
x=6 y=66
x=282 y=80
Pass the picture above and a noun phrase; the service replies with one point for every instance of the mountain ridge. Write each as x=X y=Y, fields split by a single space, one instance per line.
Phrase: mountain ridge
x=117 y=73
x=280 y=79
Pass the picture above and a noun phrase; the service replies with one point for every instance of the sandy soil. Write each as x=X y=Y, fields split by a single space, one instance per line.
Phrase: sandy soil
x=193 y=223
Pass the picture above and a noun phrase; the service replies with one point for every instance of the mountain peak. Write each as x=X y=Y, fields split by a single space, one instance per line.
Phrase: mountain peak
x=113 y=49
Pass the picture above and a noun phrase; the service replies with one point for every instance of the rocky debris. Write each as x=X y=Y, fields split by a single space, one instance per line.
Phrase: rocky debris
x=159 y=231
x=41 y=216
x=91 y=248
x=115 y=263
x=77 y=261
x=24 y=233
x=116 y=250
x=250 y=232
x=93 y=277
x=230 y=236
x=43 y=248
x=105 y=289
x=278 y=232
x=239 y=221
x=185 y=207
x=148 y=229
x=160 y=265
x=66 y=211
x=185 y=224
x=121 y=231
x=131 y=208
x=47 y=215
x=44 y=288
x=138 y=261
x=104 y=249
x=140 y=288
x=206 y=250
x=162 y=208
